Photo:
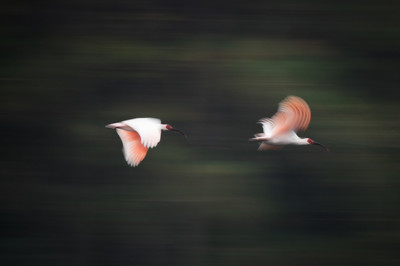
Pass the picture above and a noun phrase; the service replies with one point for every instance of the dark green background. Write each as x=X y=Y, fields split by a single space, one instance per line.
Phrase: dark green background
x=212 y=69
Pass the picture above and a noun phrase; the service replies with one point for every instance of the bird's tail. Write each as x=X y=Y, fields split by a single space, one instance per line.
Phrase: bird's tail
x=119 y=125
x=259 y=137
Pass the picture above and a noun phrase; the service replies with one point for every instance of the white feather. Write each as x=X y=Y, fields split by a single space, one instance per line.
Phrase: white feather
x=289 y=137
x=149 y=130
x=267 y=125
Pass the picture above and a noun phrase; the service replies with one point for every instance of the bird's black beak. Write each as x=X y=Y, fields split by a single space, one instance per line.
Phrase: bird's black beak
x=179 y=131
x=323 y=146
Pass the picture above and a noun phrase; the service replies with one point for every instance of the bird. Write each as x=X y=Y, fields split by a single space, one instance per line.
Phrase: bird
x=281 y=129
x=138 y=135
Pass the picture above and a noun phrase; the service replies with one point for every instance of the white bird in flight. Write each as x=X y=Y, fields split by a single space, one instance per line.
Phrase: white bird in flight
x=293 y=115
x=138 y=135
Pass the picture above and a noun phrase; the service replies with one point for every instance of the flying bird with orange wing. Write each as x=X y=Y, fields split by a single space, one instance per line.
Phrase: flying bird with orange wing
x=281 y=129
x=138 y=135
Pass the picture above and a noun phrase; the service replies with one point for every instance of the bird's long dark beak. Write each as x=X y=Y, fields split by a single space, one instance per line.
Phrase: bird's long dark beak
x=323 y=146
x=179 y=131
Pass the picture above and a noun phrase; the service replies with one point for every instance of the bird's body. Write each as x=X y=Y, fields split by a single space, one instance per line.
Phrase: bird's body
x=293 y=115
x=138 y=135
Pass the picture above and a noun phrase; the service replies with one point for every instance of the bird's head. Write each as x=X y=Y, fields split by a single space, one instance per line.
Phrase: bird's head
x=171 y=128
x=312 y=142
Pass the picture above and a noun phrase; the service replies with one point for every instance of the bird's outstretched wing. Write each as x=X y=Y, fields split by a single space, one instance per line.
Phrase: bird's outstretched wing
x=293 y=114
x=149 y=130
x=134 y=150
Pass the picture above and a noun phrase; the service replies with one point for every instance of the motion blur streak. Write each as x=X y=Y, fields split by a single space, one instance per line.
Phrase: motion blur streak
x=211 y=68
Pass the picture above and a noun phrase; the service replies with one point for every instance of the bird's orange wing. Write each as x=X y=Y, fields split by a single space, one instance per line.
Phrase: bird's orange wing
x=134 y=150
x=293 y=114
x=264 y=146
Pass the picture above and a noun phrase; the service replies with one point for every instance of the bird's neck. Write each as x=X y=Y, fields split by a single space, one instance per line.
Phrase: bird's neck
x=302 y=141
x=163 y=126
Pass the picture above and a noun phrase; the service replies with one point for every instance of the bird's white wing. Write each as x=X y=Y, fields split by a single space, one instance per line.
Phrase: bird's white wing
x=134 y=151
x=149 y=130
x=267 y=125
x=293 y=114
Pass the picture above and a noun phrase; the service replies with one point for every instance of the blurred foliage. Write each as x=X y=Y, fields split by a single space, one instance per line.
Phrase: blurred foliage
x=211 y=69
